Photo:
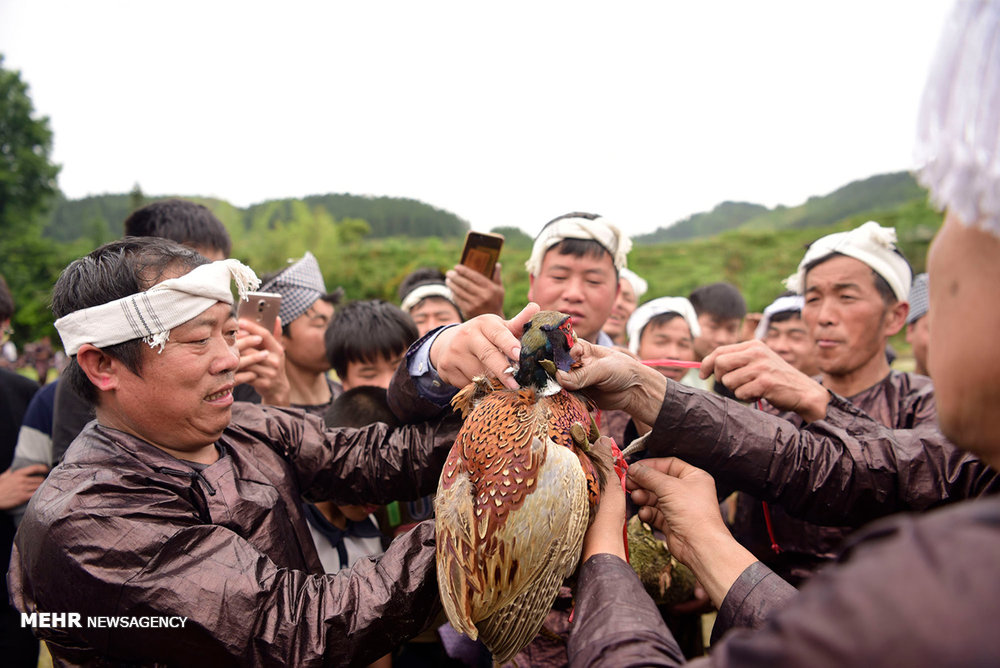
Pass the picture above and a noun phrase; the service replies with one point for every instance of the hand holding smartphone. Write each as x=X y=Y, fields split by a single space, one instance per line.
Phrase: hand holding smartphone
x=481 y=252
x=260 y=307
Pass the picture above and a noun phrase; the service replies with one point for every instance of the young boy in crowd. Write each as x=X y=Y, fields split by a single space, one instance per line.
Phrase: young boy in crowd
x=364 y=345
x=720 y=308
x=366 y=342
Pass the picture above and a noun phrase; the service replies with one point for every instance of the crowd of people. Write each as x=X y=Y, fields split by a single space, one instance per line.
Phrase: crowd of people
x=273 y=487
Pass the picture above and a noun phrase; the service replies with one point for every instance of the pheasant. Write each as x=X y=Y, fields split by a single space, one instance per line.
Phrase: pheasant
x=516 y=495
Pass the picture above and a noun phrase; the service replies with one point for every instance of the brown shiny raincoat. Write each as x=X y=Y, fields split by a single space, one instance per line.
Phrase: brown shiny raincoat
x=844 y=470
x=123 y=529
x=908 y=590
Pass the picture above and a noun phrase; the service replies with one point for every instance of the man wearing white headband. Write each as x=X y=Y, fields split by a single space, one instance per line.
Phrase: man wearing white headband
x=631 y=288
x=854 y=300
x=912 y=590
x=869 y=433
x=574 y=268
x=429 y=301
x=781 y=327
x=664 y=328
x=179 y=505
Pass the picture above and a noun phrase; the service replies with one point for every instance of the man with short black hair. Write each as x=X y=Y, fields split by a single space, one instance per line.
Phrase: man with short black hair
x=261 y=359
x=366 y=342
x=190 y=503
x=187 y=223
x=720 y=308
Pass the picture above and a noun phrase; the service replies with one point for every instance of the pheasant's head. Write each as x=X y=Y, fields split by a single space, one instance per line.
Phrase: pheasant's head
x=545 y=348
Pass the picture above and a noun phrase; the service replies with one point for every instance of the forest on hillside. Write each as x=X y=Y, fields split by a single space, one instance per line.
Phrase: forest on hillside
x=367 y=266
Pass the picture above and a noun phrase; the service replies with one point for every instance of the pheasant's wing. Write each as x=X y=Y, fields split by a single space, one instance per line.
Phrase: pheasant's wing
x=472 y=500
x=454 y=525
x=536 y=549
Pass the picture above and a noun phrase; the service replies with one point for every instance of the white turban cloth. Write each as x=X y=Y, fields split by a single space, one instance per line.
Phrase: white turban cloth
x=872 y=244
x=150 y=315
x=958 y=139
x=638 y=283
x=779 y=305
x=422 y=292
x=599 y=230
x=654 y=307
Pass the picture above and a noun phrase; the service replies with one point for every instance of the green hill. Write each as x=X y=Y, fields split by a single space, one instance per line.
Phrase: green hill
x=866 y=196
x=725 y=216
x=755 y=256
x=99 y=218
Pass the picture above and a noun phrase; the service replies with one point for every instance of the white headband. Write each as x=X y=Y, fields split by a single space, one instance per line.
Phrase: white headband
x=639 y=284
x=872 y=244
x=150 y=315
x=779 y=305
x=957 y=149
x=599 y=230
x=642 y=315
x=422 y=292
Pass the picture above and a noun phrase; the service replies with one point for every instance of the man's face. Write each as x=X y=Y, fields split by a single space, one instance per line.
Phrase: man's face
x=964 y=321
x=582 y=287
x=669 y=340
x=790 y=339
x=918 y=336
x=433 y=312
x=715 y=331
x=623 y=307
x=377 y=373
x=845 y=315
x=183 y=399
x=304 y=345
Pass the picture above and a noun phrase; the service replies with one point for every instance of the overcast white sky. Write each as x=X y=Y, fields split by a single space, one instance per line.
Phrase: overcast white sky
x=505 y=114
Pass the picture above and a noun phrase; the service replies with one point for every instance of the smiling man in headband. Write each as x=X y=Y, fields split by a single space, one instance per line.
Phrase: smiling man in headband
x=574 y=267
x=179 y=503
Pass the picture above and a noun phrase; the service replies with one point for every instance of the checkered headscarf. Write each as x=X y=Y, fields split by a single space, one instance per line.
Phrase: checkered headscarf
x=300 y=285
x=919 y=301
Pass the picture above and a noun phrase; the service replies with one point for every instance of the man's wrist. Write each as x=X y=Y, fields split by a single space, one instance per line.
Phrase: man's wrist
x=813 y=406
x=647 y=394
x=717 y=562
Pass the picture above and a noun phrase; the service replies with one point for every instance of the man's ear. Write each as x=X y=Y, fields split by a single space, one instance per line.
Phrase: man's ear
x=102 y=369
x=531 y=286
x=895 y=317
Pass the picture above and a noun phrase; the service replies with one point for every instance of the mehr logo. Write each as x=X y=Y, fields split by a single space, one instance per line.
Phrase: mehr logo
x=51 y=620
x=73 y=620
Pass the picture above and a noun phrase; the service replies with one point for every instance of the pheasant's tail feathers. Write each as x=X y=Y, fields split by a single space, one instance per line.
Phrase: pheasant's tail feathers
x=506 y=632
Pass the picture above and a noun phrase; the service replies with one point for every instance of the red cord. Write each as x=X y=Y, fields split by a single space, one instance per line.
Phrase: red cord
x=770 y=528
x=767 y=511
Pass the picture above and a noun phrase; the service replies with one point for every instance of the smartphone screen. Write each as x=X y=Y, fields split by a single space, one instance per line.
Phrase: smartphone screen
x=481 y=252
